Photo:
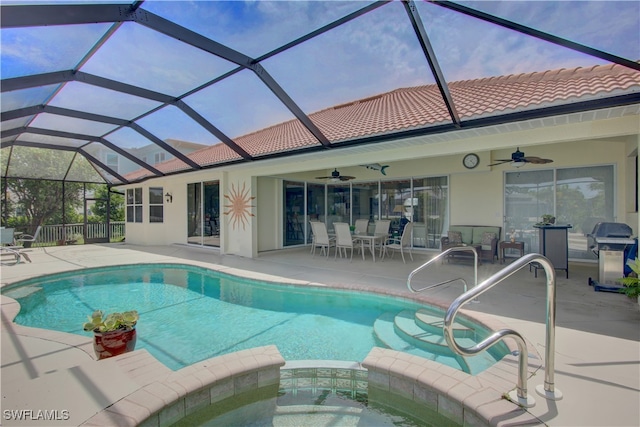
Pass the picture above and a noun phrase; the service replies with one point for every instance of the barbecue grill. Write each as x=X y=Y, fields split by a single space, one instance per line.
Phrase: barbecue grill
x=608 y=241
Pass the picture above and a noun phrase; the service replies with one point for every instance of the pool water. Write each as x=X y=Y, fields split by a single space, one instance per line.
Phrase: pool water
x=322 y=409
x=188 y=314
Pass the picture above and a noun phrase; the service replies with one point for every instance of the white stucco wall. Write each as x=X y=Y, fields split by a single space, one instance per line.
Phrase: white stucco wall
x=270 y=226
x=631 y=216
x=476 y=196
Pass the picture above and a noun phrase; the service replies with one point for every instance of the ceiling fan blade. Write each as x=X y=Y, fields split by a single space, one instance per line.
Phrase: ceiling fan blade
x=500 y=162
x=536 y=160
x=335 y=176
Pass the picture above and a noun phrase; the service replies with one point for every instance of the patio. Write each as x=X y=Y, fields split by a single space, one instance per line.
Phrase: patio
x=597 y=361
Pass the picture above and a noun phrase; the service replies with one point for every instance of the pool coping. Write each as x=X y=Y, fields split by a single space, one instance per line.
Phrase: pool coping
x=467 y=399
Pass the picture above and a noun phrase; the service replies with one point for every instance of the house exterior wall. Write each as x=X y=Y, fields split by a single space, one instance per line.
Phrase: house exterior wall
x=476 y=199
x=632 y=149
x=239 y=223
x=476 y=196
x=270 y=226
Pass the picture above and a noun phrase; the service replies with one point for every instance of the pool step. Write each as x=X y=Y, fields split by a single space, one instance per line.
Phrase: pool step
x=405 y=325
x=385 y=332
x=23 y=291
x=431 y=340
x=418 y=333
x=298 y=415
x=431 y=322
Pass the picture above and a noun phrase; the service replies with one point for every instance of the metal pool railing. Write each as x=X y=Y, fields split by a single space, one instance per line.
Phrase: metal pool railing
x=442 y=255
x=548 y=391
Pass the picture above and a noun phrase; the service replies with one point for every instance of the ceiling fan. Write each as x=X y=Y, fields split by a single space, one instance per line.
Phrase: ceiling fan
x=335 y=176
x=519 y=159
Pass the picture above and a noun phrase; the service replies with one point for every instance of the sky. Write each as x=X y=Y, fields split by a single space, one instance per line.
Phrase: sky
x=375 y=53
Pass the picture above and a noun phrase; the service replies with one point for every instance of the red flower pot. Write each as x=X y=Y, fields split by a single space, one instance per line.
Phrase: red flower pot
x=113 y=343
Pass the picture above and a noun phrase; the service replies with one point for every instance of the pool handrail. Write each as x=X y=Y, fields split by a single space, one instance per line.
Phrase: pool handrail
x=549 y=391
x=441 y=255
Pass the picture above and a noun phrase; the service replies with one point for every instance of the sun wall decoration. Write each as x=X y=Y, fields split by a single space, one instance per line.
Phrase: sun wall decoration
x=239 y=206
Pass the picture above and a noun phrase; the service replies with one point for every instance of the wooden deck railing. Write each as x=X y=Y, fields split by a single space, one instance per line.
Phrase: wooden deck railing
x=51 y=234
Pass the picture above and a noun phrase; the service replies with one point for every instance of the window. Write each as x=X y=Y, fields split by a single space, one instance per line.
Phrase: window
x=581 y=197
x=156 y=207
x=134 y=205
x=158 y=157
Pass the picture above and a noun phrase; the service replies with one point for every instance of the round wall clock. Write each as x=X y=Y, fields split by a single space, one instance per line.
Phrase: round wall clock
x=470 y=161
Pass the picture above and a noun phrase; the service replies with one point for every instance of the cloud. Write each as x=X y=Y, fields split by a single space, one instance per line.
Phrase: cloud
x=35 y=50
x=374 y=53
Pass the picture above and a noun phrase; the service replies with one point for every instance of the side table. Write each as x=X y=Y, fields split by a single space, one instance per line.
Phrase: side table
x=510 y=245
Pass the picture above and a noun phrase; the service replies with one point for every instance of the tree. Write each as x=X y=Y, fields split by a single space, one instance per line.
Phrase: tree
x=100 y=207
x=41 y=201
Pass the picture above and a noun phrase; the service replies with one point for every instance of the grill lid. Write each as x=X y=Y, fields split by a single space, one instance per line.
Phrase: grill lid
x=612 y=229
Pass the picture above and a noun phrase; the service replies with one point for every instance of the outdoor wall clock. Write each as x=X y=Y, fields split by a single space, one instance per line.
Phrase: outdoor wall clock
x=470 y=161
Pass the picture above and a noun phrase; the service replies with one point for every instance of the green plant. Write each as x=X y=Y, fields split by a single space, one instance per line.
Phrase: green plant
x=631 y=283
x=111 y=322
x=548 y=219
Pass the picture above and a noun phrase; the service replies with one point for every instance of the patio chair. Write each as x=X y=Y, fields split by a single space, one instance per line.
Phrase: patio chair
x=313 y=235
x=7 y=236
x=362 y=226
x=15 y=252
x=321 y=238
x=344 y=239
x=402 y=243
x=26 y=239
x=382 y=230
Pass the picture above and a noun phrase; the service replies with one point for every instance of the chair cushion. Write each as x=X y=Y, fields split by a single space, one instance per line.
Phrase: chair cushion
x=465 y=231
x=487 y=237
x=478 y=233
x=455 y=237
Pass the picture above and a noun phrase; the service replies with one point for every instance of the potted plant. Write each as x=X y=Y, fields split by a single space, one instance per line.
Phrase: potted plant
x=548 y=219
x=631 y=283
x=113 y=334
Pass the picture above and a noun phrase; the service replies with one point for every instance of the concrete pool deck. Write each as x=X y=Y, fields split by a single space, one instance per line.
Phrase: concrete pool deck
x=597 y=364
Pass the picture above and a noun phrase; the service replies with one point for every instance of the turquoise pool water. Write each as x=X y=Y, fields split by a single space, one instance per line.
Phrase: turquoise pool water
x=188 y=314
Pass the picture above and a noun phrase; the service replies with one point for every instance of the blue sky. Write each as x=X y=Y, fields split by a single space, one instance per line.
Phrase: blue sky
x=375 y=53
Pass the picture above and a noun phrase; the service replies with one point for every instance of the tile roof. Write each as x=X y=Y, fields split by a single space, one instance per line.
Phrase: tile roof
x=423 y=106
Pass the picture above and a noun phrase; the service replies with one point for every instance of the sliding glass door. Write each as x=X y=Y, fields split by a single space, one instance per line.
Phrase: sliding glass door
x=424 y=201
x=203 y=213
x=528 y=196
x=315 y=206
x=577 y=196
x=293 y=213
x=365 y=205
x=429 y=208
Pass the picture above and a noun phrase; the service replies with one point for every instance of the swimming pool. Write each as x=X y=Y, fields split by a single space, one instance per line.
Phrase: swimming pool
x=188 y=314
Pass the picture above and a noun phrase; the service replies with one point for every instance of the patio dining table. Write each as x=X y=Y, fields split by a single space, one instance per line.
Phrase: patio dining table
x=370 y=241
